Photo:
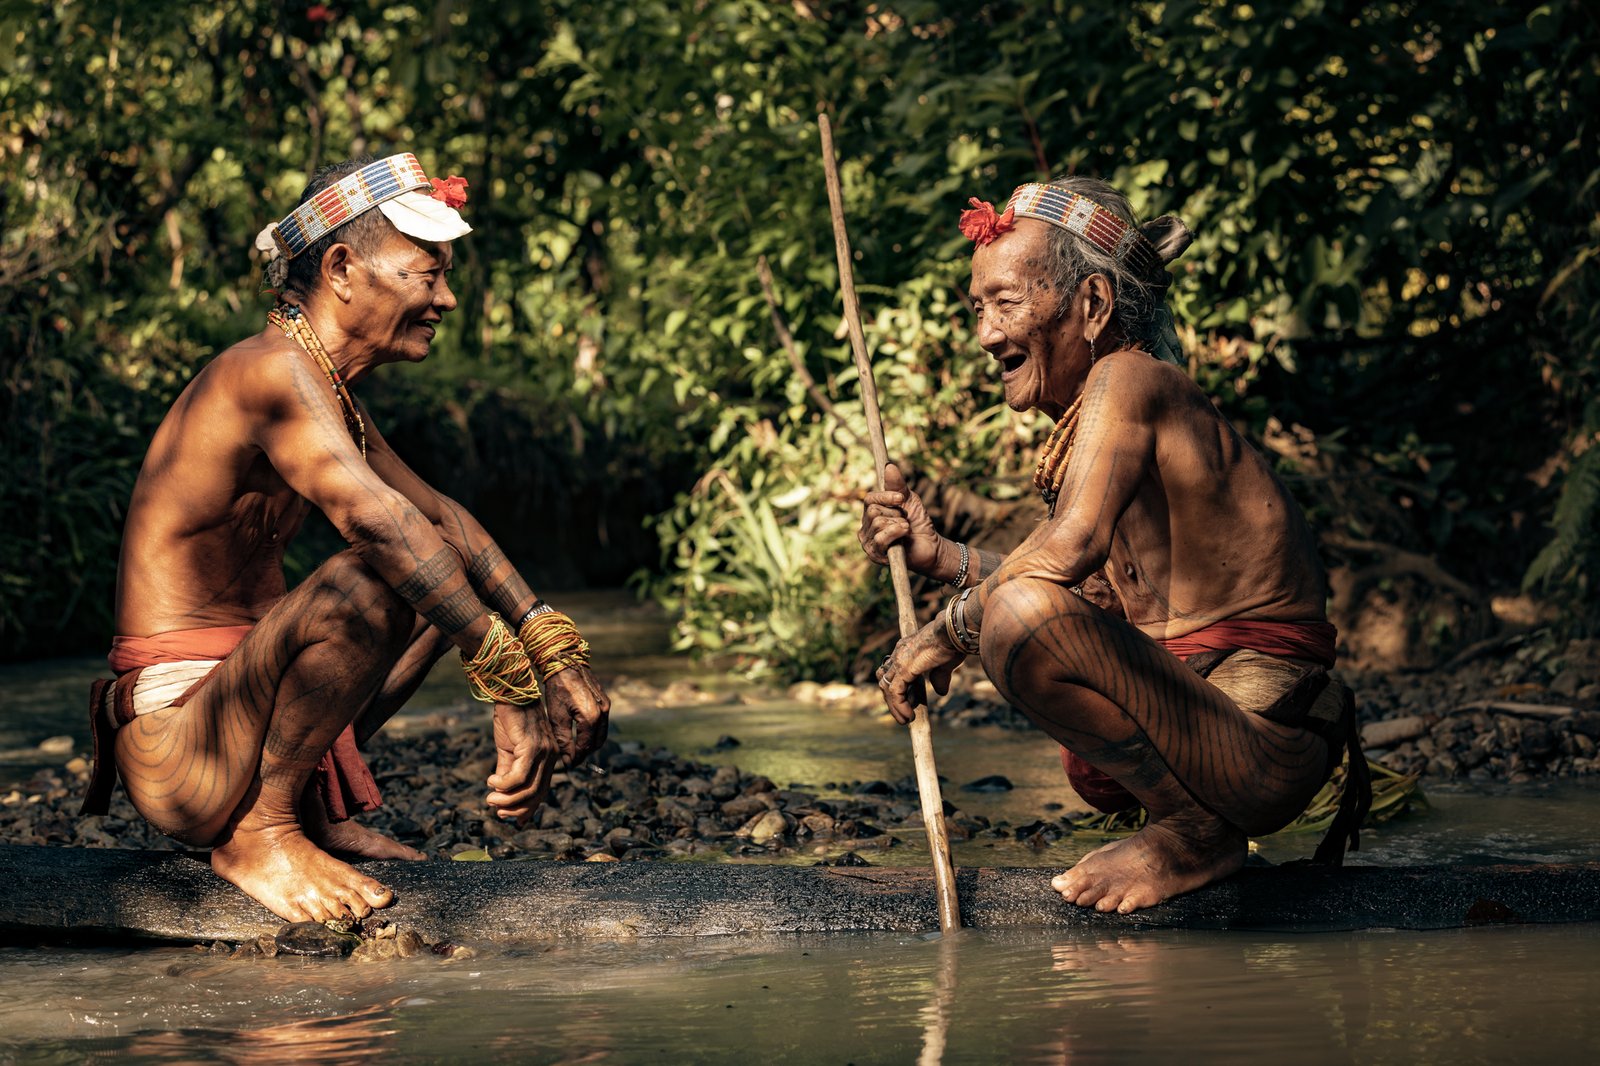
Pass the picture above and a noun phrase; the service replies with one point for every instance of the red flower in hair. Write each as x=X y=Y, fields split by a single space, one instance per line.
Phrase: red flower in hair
x=982 y=225
x=452 y=190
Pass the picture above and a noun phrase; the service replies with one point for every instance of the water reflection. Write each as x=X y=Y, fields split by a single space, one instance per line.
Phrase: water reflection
x=358 y=1037
x=1485 y=994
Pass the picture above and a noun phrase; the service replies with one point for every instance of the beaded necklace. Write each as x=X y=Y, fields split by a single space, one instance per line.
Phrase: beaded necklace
x=1051 y=473
x=292 y=321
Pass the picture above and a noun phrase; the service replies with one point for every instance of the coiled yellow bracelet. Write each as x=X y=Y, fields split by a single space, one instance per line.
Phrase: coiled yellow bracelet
x=501 y=672
x=553 y=642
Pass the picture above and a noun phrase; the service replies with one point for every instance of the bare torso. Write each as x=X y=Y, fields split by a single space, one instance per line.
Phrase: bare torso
x=1208 y=532
x=210 y=517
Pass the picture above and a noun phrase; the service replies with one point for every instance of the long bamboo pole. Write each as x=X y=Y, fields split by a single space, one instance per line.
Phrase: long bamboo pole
x=921 y=736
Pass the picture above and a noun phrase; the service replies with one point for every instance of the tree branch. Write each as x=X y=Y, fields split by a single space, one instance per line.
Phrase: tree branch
x=786 y=339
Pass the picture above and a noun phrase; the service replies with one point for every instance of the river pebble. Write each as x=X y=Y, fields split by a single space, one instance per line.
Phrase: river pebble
x=1480 y=721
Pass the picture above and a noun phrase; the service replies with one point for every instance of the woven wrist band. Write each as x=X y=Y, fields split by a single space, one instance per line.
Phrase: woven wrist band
x=553 y=642
x=501 y=672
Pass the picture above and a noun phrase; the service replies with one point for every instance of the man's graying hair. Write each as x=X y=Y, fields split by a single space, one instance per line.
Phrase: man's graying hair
x=364 y=233
x=1138 y=299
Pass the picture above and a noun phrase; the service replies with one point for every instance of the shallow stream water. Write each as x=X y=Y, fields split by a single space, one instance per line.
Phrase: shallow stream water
x=1495 y=994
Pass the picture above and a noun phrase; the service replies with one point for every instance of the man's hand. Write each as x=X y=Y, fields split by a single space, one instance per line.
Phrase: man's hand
x=927 y=653
x=896 y=515
x=526 y=752
x=1098 y=591
x=580 y=712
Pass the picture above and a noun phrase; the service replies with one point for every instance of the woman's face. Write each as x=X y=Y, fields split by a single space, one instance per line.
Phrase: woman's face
x=1021 y=322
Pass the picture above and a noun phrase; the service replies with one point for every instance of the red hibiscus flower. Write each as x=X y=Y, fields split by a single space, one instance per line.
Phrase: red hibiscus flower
x=452 y=190
x=982 y=225
x=319 y=13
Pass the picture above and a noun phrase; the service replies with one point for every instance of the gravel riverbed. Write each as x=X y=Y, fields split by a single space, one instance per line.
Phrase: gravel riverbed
x=1514 y=713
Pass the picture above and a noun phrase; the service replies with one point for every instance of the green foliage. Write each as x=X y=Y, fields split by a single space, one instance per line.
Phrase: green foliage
x=756 y=575
x=1395 y=205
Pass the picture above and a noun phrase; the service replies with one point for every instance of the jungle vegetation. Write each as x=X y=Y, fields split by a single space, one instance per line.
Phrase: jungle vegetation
x=1394 y=289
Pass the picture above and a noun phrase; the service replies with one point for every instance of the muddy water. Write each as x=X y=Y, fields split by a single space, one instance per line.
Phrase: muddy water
x=1505 y=994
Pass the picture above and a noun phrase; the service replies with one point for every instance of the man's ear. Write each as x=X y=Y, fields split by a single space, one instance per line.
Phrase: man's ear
x=337 y=263
x=1097 y=302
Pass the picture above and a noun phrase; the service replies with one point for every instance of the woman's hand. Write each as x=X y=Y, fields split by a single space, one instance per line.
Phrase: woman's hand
x=896 y=516
x=927 y=653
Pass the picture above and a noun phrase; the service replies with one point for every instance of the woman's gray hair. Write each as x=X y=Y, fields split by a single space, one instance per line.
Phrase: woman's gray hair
x=1138 y=309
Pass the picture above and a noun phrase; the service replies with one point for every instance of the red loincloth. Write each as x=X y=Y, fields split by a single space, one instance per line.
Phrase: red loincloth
x=1313 y=641
x=343 y=781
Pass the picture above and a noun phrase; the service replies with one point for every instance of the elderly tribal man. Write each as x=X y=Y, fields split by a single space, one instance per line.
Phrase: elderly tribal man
x=238 y=704
x=1165 y=623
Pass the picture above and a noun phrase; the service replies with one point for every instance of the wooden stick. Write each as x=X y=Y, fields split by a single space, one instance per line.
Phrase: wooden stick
x=921 y=736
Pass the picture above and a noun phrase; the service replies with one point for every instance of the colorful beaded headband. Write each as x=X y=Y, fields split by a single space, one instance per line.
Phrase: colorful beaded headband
x=1071 y=211
x=346 y=198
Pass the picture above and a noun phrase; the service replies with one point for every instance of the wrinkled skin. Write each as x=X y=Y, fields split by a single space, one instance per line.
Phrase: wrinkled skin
x=1188 y=525
x=254 y=442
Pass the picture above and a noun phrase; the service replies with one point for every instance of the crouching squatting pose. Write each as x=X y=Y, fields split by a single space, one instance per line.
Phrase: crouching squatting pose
x=238 y=704
x=1165 y=624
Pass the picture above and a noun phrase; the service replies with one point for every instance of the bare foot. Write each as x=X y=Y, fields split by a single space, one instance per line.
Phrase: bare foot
x=349 y=840
x=357 y=842
x=1158 y=862
x=277 y=866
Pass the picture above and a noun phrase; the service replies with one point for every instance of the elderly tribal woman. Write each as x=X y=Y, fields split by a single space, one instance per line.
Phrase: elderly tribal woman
x=238 y=703
x=1165 y=622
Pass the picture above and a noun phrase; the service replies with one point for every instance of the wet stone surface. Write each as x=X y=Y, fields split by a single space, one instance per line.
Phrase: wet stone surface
x=374 y=939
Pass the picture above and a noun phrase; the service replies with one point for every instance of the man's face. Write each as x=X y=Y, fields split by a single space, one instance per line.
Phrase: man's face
x=407 y=292
x=1041 y=355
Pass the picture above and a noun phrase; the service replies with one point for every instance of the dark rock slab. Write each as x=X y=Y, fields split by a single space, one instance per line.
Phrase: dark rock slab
x=56 y=894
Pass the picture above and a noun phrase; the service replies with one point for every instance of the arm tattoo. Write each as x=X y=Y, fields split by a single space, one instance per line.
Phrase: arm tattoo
x=456 y=611
x=986 y=564
x=484 y=564
x=497 y=582
x=428 y=577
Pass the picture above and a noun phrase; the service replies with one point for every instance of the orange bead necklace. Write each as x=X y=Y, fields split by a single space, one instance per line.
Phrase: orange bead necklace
x=1051 y=473
x=292 y=321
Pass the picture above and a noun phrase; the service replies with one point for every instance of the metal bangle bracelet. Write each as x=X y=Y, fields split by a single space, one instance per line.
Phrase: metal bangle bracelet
x=539 y=607
x=950 y=622
x=966 y=640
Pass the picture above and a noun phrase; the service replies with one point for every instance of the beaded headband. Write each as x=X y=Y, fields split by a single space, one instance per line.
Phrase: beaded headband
x=1074 y=213
x=393 y=185
x=346 y=198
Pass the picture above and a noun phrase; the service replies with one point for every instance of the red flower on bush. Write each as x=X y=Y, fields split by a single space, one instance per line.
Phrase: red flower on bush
x=452 y=190
x=319 y=13
x=982 y=225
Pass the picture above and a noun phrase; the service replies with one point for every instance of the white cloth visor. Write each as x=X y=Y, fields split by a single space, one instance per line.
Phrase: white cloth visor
x=421 y=216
